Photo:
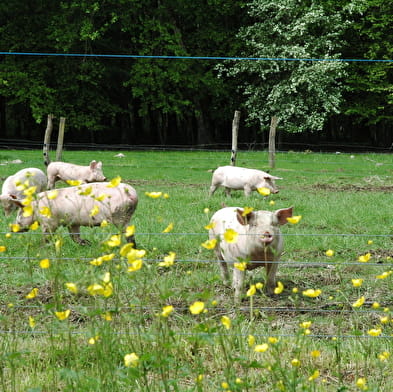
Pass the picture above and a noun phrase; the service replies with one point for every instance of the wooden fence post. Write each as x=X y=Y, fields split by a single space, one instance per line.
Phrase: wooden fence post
x=60 y=139
x=272 y=142
x=48 y=132
x=235 y=129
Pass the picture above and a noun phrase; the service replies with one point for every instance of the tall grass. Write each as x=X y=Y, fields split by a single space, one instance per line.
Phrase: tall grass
x=124 y=337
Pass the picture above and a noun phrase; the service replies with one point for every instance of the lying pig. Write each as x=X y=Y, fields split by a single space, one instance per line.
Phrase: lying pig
x=258 y=240
x=82 y=205
x=14 y=186
x=68 y=171
x=233 y=177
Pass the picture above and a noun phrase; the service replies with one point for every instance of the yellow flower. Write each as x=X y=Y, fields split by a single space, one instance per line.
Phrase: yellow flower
x=114 y=241
x=261 y=348
x=94 y=211
x=224 y=385
x=154 y=195
x=45 y=211
x=63 y=315
x=259 y=285
x=104 y=223
x=197 y=307
x=210 y=244
x=384 y=275
x=384 y=356
x=294 y=219
x=71 y=287
x=27 y=211
x=169 y=228
x=272 y=339
x=52 y=194
x=230 y=236
x=305 y=324
x=272 y=202
x=94 y=340
x=240 y=266
x=135 y=254
x=101 y=197
x=374 y=331
x=314 y=376
x=384 y=319
x=361 y=383
x=44 y=263
x=34 y=226
x=295 y=290
x=27 y=201
x=251 y=291
x=30 y=191
x=14 y=227
x=97 y=262
x=226 y=322
x=264 y=191
x=168 y=260
x=329 y=253
x=135 y=265
x=211 y=225
x=279 y=289
x=131 y=360
x=33 y=293
x=167 y=310
x=130 y=230
x=375 y=305
x=114 y=182
x=206 y=210
x=3 y=248
x=359 y=302
x=247 y=210
x=357 y=282
x=251 y=340
x=165 y=196
x=315 y=353
x=369 y=242
x=312 y=293
x=295 y=362
x=365 y=258
x=73 y=182
x=199 y=378
x=32 y=322
x=107 y=316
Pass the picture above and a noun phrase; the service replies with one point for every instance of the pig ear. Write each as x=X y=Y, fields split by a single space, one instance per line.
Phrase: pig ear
x=13 y=199
x=272 y=177
x=283 y=214
x=99 y=165
x=93 y=165
x=244 y=219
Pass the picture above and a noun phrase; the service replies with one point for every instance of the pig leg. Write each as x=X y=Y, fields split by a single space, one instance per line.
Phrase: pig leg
x=75 y=235
x=228 y=191
x=247 y=190
x=238 y=279
x=271 y=269
x=223 y=267
x=51 y=182
x=212 y=189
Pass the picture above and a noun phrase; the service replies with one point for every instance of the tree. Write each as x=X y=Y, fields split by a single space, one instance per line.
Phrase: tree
x=301 y=94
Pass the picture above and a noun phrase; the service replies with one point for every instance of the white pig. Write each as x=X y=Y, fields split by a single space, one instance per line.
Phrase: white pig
x=68 y=171
x=14 y=186
x=234 y=177
x=259 y=241
x=82 y=205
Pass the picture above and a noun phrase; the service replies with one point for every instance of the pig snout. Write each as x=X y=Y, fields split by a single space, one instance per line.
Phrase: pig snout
x=267 y=238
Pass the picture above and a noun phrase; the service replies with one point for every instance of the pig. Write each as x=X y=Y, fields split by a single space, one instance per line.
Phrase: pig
x=259 y=242
x=14 y=186
x=82 y=205
x=68 y=171
x=234 y=177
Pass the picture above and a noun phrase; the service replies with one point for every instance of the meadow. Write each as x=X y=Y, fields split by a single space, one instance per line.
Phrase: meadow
x=94 y=318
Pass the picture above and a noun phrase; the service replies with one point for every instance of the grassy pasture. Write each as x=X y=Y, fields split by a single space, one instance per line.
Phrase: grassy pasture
x=344 y=201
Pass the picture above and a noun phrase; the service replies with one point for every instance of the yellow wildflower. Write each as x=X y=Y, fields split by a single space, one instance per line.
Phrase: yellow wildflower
x=374 y=331
x=210 y=244
x=71 y=287
x=247 y=210
x=312 y=293
x=131 y=360
x=197 y=307
x=135 y=265
x=14 y=227
x=329 y=253
x=251 y=340
x=44 y=263
x=63 y=315
x=384 y=356
x=365 y=258
x=242 y=266
x=211 y=225
x=94 y=340
x=33 y=293
x=168 y=260
x=357 y=282
x=384 y=275
x=52 y=194
x=73 y=182
x=45 y=211
x=251 y=291
x=154 y=195
x=34 y=226
x=167 y=310
x=272 y=202
x=314 y=376
x=114 y=241
x=104 y=223
x=130 y=230
x=279 y=289
x=230 y=236
x=264 y=191
x=272 y=339
x=261 y=348
x=114 y=182
x=259 y=285
x=206 y=210
x=101 y=197
x=361 y=383
x=107 y=316
x=305 y=324
x=3 y=248
x=30 y=191
x=295 y=362
x=359 y=302
x=94 y=211
x=226 y=322
x=169 y=228
x=315 y=353
x=32 y=322
x=27 y=211
x=294 y=219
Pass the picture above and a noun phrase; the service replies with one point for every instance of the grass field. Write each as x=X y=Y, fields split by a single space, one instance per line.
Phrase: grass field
x=120 y=334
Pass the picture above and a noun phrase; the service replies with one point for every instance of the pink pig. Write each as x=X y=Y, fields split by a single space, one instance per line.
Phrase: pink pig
x=234 y=177
x=258 y=242
x=68 y=171
x=83 y=205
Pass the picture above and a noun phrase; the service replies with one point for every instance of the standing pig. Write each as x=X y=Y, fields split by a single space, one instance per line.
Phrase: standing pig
x=68 y=171
x=233 y=177
x=83 y=205
x=258 y=240
x=14 y=186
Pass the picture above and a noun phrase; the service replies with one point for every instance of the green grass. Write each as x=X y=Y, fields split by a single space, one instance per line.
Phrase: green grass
x=344 y=200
